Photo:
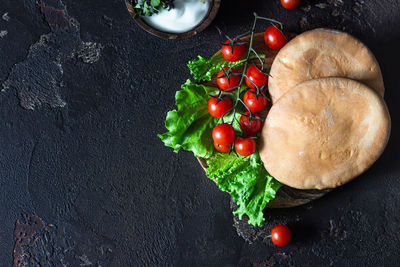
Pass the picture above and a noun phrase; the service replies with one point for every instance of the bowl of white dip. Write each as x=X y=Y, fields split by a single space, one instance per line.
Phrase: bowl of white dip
x=187 y=18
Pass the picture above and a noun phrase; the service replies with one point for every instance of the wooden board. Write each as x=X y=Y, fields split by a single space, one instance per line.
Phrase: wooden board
x=286 y=196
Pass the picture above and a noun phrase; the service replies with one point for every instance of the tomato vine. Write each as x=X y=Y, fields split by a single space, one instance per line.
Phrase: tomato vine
x=255 y=77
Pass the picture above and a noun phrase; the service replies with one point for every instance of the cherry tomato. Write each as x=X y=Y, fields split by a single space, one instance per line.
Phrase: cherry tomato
x=245 y=146
x=256 y=76
x=235 y=55
x=274 y=38
x=281 y=235
x=223 y=83
x=223 y=134
x=252 y=103
x=250 y=128
x=218 y=109
x=222 y=148
x=290 y=4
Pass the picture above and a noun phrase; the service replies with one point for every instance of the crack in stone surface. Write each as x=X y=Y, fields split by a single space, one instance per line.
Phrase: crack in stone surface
x=38 y=79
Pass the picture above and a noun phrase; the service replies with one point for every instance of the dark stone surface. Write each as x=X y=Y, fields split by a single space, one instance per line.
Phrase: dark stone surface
x=86 y=91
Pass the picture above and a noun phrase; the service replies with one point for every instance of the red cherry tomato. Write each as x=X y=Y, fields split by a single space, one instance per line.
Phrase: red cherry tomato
x=222 y=148
x=274 y=38
x=235 y=55
x=250 y=128
x=281 y=235
x=253 y=104
x=223 y=134
x=256 y=76
x=290 y=4
x=218 y=109
x=223 y=83
x=245 y=146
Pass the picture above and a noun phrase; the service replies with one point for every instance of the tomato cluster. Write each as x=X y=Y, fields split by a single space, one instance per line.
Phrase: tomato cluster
x=224 y=134
x=254 y=99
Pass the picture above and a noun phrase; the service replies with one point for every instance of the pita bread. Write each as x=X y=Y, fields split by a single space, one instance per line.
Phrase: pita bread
x=324 y=132
x=323 y=53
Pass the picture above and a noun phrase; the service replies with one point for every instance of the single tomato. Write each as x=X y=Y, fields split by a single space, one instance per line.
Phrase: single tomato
x=223 y=134
x=274 y=38
x=281 y=235
x=245 y=146
x=224 y=83
x=255 y=106
x=250 y=127
x=218 y=109
x=233 y=53
x=255 y=77
x=290 y=4
x=222 y=148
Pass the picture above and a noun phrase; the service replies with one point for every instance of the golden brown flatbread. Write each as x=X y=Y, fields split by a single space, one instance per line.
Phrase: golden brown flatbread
x=324 y=132
x=323 y=53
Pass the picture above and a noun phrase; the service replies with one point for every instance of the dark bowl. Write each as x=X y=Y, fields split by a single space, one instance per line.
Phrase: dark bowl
x=212 y=12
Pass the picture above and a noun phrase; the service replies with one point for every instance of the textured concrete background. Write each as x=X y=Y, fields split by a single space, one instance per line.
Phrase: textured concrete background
x=85 y=181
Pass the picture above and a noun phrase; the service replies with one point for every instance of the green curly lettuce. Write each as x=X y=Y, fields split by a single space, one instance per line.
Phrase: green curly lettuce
x=203 y=69
x=190 y=126
x=247 y=181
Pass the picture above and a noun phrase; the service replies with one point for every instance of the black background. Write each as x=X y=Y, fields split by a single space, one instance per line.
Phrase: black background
x=85 y=91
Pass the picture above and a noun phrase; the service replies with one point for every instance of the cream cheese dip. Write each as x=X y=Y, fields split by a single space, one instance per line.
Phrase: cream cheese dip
x=185 y=16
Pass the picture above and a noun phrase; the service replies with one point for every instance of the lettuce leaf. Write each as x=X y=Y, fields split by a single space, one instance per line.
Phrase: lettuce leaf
x=190 y=126
x=203 y=69
x=247 y=181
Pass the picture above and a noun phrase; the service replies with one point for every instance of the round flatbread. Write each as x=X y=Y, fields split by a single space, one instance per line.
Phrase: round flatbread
x=323 y=53
x=323 y=133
